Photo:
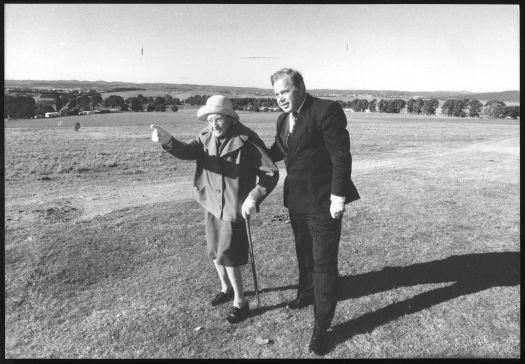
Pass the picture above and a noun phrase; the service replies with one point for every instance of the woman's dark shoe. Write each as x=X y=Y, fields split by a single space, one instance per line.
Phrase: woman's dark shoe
x=238 y=314
x=222 y=297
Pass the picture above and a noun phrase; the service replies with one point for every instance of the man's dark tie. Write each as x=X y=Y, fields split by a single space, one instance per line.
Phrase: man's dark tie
x=294 y=116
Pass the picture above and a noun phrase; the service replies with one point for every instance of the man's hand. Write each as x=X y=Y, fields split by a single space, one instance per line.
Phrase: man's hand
x=160 y=135
x=249 y=207
x=337 y=209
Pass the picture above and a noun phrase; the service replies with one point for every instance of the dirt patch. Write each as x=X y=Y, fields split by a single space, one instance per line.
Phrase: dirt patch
x=492 y=151
x=59 y=202
x=104 y=202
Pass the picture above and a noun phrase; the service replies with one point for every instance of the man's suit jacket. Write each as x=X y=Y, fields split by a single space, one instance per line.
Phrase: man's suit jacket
x=317 y=156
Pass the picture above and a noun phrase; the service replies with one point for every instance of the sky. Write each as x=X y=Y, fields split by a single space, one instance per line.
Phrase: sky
x=440 y=47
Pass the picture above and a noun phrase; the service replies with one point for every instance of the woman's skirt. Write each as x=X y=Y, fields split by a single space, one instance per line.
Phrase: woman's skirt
x=226 y=241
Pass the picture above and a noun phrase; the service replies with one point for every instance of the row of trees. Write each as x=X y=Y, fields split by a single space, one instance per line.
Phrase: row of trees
x=455 y=107
x=419 y=106
x=474 y=108
x=137 y=103
x=22 y=107
x=391 y=106
x=497 y=109
x=93 y=100
x=251 y=103
x=396 y=106
x=254 y=103
x=72 y=104
x=359 y=105
x=462 y=108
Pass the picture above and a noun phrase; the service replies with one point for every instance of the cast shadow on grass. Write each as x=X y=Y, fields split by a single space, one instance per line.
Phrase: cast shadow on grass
x=471 y=273
x=260 y=310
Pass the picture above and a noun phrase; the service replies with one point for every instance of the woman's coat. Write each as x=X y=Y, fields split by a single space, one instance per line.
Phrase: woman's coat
x=224 y=178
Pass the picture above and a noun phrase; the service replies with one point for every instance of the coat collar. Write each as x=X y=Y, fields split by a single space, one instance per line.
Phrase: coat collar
x=307 y=102
x=239 y=135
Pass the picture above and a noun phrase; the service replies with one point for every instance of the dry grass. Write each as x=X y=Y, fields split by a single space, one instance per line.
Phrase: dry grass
x=429 y=257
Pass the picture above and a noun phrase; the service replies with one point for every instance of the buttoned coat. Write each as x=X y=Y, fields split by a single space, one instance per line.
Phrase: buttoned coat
x=317 y=156
x=224 y=178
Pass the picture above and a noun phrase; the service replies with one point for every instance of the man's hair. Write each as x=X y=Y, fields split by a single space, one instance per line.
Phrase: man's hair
x=295 y=76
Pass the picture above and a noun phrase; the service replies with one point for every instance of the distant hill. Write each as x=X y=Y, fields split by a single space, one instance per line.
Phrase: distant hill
x=157 y=88
x=186 y=90
x=509 y=96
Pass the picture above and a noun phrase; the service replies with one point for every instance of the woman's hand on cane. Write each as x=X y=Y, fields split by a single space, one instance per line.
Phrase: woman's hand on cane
x=249 y=207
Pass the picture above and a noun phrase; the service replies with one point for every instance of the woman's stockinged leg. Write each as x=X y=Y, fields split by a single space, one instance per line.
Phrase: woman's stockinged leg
x=235 y=277
x=226 y=286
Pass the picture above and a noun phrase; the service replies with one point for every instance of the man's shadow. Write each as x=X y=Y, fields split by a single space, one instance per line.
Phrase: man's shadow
x=470 y=273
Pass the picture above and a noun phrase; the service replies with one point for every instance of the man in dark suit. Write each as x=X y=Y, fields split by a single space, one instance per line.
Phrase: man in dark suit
x=315 y=145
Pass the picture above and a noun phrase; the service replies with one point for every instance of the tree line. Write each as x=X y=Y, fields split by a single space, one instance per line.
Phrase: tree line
x=412 y=106
x=245 y=103
x=73 y=103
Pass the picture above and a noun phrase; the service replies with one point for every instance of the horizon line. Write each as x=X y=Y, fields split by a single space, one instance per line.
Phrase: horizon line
x=251 y=87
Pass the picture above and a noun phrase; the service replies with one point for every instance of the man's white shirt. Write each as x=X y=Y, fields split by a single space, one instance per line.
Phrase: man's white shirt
x=291 y=119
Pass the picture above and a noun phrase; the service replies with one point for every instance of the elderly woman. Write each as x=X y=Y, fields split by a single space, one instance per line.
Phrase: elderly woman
x=234 y=175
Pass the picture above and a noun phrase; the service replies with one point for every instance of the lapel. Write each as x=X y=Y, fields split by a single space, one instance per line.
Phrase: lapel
x=237 y=139
x=303 y=121
x=282 y=132
x=209 y=143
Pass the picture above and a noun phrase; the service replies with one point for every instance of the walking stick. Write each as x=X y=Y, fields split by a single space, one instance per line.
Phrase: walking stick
x=252 y=259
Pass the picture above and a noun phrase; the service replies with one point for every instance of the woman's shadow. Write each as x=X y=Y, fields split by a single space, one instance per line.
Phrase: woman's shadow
x=470 y=273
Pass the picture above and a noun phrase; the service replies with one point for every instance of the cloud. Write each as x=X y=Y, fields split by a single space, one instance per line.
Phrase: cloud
x=257 y=57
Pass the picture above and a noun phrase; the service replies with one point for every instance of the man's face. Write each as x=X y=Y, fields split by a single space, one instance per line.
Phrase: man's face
x=288 y=96
x=219 y=125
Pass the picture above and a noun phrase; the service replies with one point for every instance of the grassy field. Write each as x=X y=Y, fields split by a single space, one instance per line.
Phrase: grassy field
x=429 y=258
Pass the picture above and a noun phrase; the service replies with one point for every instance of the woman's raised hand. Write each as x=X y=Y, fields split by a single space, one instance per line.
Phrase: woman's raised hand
x=159 y=134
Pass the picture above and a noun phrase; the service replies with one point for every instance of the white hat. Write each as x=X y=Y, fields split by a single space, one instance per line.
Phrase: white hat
x=217 y=104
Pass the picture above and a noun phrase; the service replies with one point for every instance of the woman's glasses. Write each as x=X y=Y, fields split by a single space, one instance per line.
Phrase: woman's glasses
x=218 y=121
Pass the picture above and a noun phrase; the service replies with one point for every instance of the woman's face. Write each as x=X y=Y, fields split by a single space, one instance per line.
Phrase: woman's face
x=219 y=125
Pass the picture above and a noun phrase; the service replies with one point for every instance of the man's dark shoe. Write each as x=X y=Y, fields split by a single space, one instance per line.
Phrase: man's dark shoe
x=238 y=314
x=300 y=302
x=318 y=344
x=222 y=297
